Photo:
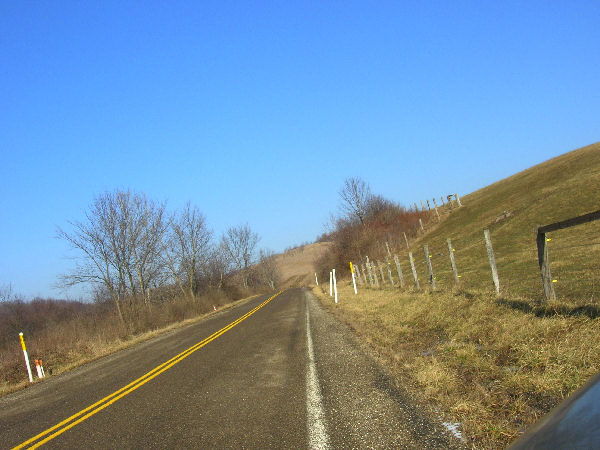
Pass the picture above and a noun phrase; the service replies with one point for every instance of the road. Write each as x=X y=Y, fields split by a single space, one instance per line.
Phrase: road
x=275 y=372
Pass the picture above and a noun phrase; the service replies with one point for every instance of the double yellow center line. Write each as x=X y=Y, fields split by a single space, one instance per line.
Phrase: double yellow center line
x=86 y=413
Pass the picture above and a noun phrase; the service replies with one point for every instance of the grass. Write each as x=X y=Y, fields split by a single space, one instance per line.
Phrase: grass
x=494 y=363
x=558 y=189
x=485 y=362
x=86 y=347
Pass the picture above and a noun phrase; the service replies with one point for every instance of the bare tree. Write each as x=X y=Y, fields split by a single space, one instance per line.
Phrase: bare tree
x=238 y=244
x=6 y=293
x=118 y=244
x=268 y=270
x=146 y=229
x=188 y=248
x=355 y=197
x=217 y=267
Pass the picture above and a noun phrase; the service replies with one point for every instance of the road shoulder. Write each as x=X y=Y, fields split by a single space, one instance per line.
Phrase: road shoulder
x=365 y=406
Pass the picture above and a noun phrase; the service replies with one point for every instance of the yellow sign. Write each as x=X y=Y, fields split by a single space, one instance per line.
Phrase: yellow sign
x=351 y=268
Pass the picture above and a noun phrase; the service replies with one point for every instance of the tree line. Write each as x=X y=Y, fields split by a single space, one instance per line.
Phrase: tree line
x=364 y=224
x=133 y=252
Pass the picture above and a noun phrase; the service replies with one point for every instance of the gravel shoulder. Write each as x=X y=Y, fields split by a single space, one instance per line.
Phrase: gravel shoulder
x=365 y=406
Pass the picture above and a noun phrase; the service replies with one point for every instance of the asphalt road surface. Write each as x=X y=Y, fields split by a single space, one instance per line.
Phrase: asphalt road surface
x=275 y=372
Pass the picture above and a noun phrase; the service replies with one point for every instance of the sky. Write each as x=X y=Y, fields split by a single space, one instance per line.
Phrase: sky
x=257 y=111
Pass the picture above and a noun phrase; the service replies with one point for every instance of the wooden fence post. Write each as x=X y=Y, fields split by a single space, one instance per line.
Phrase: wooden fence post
x=399 y=270
x=389 y=268
x=387 y=246
x=421 y=225
x=371 y=282
x=442 y=197
x=429 y=266
x=381 y=272
x=428 y=205
x=544 y=262
x=422 y=206
x=490 y=252
x=364 y=272
x=414 y=271
x=452 y=262
x=357 y=270
x=416 y=209
x=375 y=274
x=436 y=210
x=457 y=200
x=406 y=240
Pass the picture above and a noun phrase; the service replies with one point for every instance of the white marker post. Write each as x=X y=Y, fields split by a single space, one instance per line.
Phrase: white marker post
x=316 y=279
x=26 y=357
x=330 y=283
x=38 y=367
x=335 y=285
x=353 y=278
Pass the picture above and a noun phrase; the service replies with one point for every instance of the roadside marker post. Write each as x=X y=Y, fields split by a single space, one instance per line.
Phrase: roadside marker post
x=316 y=279
x=26 y=357
x=353 y=278
x=330 y=283
x=335 y=286
x=39 y=368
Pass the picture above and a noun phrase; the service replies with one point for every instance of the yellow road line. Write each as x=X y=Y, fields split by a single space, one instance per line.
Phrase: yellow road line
x=110 y=399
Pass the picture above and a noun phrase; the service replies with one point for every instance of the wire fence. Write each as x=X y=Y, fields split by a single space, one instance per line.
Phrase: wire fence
x=574 y=259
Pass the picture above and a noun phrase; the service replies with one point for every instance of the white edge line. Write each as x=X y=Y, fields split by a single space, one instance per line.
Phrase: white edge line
x=317 y=431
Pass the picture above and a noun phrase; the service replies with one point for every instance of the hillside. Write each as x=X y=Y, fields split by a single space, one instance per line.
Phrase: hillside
x=492 y=365
x=558 y=189
x=297 y=266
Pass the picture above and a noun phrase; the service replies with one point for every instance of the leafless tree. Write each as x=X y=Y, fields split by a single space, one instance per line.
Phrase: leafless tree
x=238 y=244
x=217 y=267
x=118 y=244
x=188 y=248
x=355 y=197
x=6 y=293
x=268 y=270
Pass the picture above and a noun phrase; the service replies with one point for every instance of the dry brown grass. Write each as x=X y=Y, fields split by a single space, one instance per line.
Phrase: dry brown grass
x=297 y=266
x=75 y=342
x=563 y=187
x=495 y=364
x=484 y=362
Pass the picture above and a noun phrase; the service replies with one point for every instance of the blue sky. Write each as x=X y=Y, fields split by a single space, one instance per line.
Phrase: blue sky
x=257 y=111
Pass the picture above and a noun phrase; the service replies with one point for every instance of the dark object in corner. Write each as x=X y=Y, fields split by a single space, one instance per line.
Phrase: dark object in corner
x=575 y=423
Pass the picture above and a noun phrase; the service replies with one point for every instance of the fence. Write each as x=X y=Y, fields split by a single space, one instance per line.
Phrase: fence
x=473 y=264
x=542 y=247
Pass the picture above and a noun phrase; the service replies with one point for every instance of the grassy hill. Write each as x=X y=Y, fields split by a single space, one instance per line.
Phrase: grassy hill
x=558 y=189
x=494 y=364
x=297 y=266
